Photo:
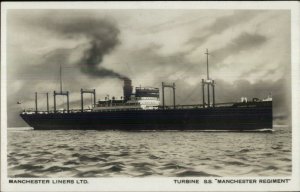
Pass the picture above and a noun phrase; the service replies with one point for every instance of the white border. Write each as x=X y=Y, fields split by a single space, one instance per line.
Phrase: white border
x=154 y=5
x=295 y=67
x=3 y=100
x=159 y=184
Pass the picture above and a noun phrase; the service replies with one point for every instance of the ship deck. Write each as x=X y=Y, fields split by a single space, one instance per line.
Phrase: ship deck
x=177 y=107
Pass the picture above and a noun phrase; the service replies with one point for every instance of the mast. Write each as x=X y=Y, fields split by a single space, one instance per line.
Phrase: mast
x=208 y=82
x=207 y=63
x=60 y=78
x=208 y=95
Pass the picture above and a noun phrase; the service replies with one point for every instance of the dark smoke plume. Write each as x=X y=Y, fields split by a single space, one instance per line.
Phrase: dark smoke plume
x=101 y=36
x=93 y=57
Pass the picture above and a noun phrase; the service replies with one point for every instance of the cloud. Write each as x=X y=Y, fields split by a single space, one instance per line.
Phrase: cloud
x=243 y=42
x=221 y=24
x=100 y=37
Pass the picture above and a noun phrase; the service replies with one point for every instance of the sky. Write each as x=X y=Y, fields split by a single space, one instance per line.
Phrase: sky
x=250 y=54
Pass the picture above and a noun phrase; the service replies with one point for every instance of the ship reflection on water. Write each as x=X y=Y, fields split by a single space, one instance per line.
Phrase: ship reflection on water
x=148 y=154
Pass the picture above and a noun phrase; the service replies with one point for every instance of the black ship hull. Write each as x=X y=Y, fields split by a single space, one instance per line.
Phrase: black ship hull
x=235 y=118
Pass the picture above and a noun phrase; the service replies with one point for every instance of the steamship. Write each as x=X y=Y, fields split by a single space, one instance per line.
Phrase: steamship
x=141 y=109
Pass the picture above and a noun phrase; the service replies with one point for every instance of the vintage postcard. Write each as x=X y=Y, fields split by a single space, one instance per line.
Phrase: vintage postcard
x=150 y=96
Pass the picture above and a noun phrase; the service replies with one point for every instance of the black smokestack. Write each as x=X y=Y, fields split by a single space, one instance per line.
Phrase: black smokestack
x=127 y=89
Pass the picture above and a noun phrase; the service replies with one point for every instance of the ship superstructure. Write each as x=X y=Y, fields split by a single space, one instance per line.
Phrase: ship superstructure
x=144 y=98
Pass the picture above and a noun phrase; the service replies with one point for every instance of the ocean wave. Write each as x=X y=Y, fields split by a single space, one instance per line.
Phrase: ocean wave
x=189 y=173
x=27 y=175
x=172 y=166
x=29 y=167
x=237 y=163
x=148 y=154
x=59 y=169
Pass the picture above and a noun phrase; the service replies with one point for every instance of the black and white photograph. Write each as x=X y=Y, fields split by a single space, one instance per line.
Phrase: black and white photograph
x=199 y=95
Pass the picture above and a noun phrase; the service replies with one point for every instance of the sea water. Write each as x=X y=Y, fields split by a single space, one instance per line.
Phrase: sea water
x=79 y=153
